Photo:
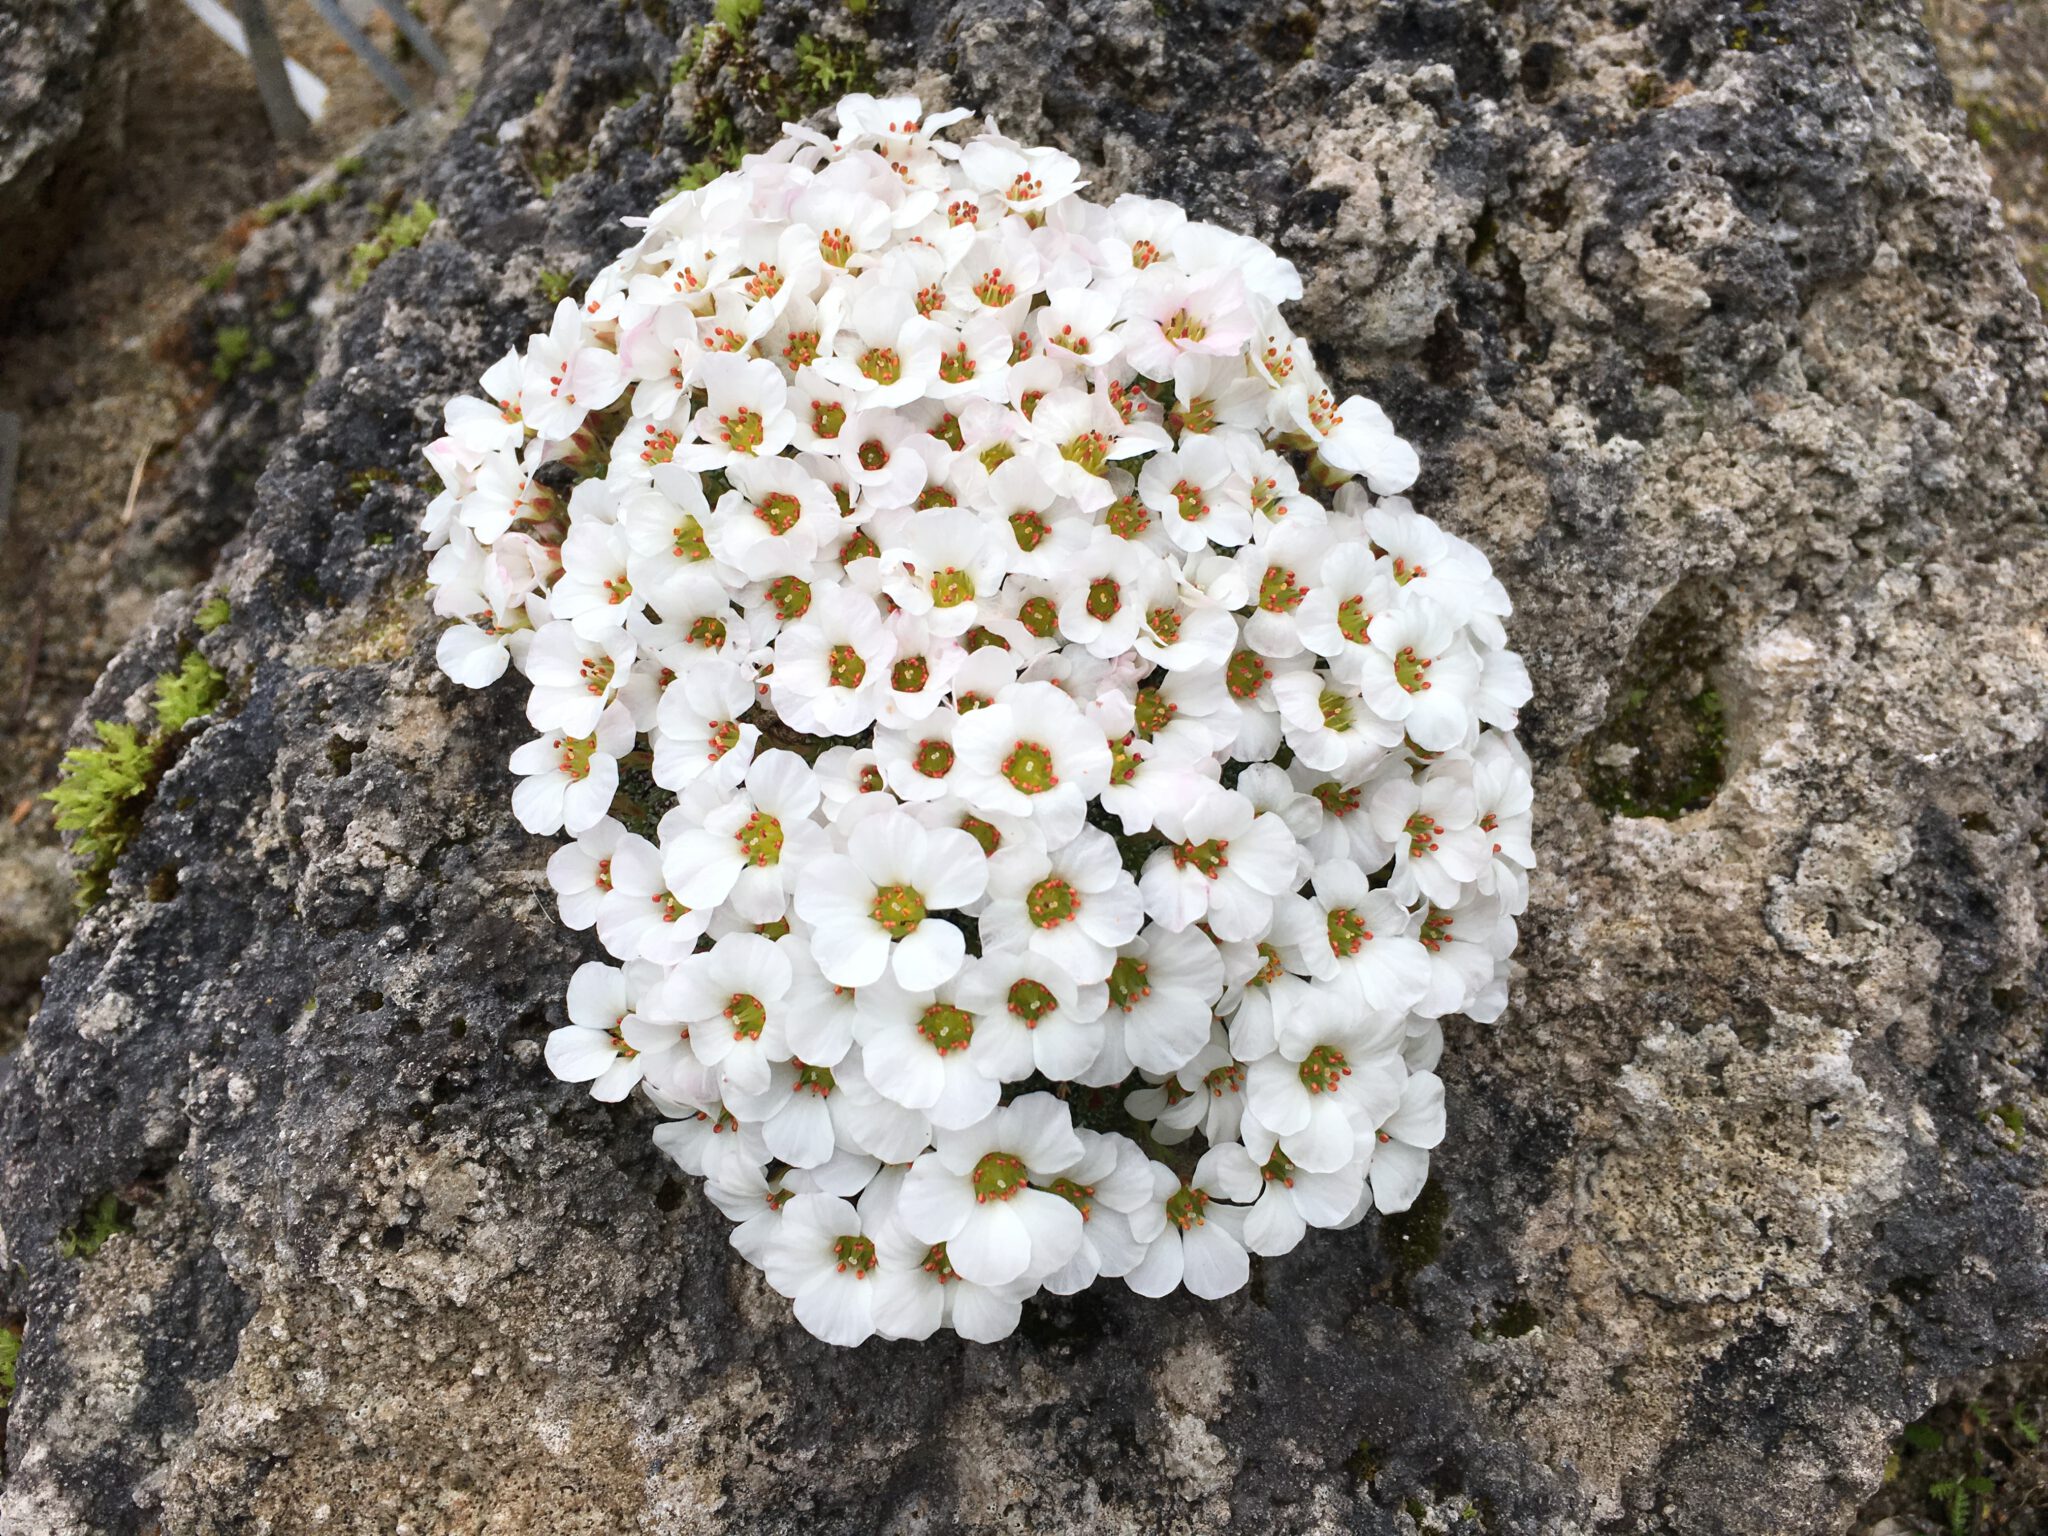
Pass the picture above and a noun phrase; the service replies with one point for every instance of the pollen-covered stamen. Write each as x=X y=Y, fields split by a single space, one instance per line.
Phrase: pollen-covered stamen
x=1029 y=769
x=993 y=291
x=910 y=674
x=1323 y=1069
x=1090 y=450
x=690 y=543
x=1152 y=713
x=618 y=1039
x=1336 y=799
x=658 y=446
x=725 y=339
x=1189 y=499
x=1105 y=598
x=1185 y=1209
x=844 y=667
x=855 y=1255
x=801 y=350
x=1266 y=500
x=1080 y=1196
x=1348 y=933
x=617 y=589
x=760 y=840
x=996 y=455
x=1228 y=1078
x=1123 y=762
x=1165 y=624
x=859 y=546
x=881 y=364
x=742 y=431
x=1490 y=823
x=814 y=1080
x=1408 y=670
x=999 y=1176
x=748 y=1016
x=947 y=1028
x=1436 y=929
x=1040 y=616
x=1336 y=708
x=780 y=511
x=950 y=587
x=790 y=596
x=827 y=417
x=1195 y=414
x=1051 y=902
x=1209 y=858
x=1127 y=984
x=604 y=874
x=672 y=911
x=937 y=1264
x=933 y=758
x=1422 y=830
x=962 y=212
x=709 y=632
x=956 y=367
x=597 y=673
x=836 y=246
x=1183 y=327
x=1279 y=592
x=983 y=832
x=970 y=701
x=1245 y=674
x=1352 y=619
x=1031 y=1001
x=1143 y=253
x=1127 y=517
x=765 y=283
x=722 y=736
x=1028 y=528
x=1405 y=573
x=1025 y=188
x=576 y=754
x=873 y=455
x=1278 y=1169
x=870 y=780
x=898 y=909
x=1271 y=968
x=930 y=300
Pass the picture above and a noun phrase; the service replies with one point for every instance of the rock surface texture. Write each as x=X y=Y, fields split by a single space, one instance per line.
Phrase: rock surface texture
x=63 y=100
x=1703 y=317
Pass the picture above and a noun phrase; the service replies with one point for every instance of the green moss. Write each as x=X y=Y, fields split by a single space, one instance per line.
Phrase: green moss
x=10 y=1352
x=1363 y=1463
x=825 y=71
x=218 y=279
x=2012 y=1117
x=1971 y=1465
x=363 y=481
x=96 y=1224
x=232 y=345
x=1662 y=750
x=736 y=16
x=1415 y=1237
x=554 y=286
x=100 y=790
x=212 y=615
x=399 y=232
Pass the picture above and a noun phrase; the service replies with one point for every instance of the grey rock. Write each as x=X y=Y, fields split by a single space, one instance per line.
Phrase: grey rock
x=63 y=104
x=1702 y=315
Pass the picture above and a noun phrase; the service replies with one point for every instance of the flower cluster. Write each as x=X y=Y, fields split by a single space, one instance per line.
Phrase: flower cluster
x=1006 y=721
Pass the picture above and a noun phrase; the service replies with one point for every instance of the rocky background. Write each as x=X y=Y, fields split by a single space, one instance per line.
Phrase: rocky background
x=1707 y=323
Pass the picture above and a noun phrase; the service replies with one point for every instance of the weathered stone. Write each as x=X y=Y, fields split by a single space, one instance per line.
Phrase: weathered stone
x=63 y=101
x=1700 y=312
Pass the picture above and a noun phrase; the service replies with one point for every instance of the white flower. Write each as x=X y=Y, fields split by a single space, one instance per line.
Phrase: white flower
x=1357 y=438
x=1033 y=1015
x=871 y=908
x=775 y=521
x=750 y=842
x=746 y=415
x=575 y=678
x=1226 y=865
x=1073 y=905
x=581 y=872
x=592 y=1048
x=1334 y=1078
x=698 y=729
x=570 y=780
x=832 y=665
x=1400 y=1163
x=1416 y=668
x=925 y=1050
x=734 y=997
x=918 y=1292
x=974 y=1192
x=1433 y=825
x=1032 y=753
x=1198 y=493
x=822 y=1259
x=1190 y=1236
x=566 y=377
x=1161 y=990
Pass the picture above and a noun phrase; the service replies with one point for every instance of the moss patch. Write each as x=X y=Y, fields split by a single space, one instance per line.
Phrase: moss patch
x=400 y=232
x=1975 y=1464
x=96 y=1223
x=1662 y=750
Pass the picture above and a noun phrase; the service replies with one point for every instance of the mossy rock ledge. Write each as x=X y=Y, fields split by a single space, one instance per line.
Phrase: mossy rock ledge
x=1702 y=314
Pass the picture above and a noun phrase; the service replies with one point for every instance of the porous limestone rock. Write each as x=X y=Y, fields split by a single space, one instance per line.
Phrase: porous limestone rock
x=1701 y=313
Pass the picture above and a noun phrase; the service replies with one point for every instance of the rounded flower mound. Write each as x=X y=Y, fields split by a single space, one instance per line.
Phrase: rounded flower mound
x=1040 y=784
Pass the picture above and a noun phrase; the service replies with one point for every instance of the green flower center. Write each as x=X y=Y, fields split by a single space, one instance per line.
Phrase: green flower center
x=1028 y=528
x=881 y=364
x=1422 y=830
x=748 y=1017
x=1123 y=762
x=1245 y=674
x=1352 y=619
x=1182 y=326
x=725 y=735
x=860 y=546
x=854 y=1253
x=1039 y=616
x=576 y=755
x=910 y=675
x=1127 y=983
x=1080 y=1196
x=1408 y=671
x=1189 y=500
x=597 y=674
x=1278 y=592
x=999 y=1176
x=983 y=833
x=817 y=1080
x=1090 y=450
x=947 y=1028
x=827 y=417
x=933 y=759
x=760 y=840
x=1348 y=933
x=937 y=1264
x=951 y=588
x=1165 y=624
x=690 y=543
x=1279 y=1168
x=1031 y=1001
x=1105 y=597
x=1051 y=902
x=1271 y=970
x=874 y=455
x=956 y=367
x=1336 y=711
x=1029 y=769
x=1336 y=799
x=1228 y=1078
x=1209 y=858
x=742 y=431
x=780 y=511
x=1436 y=929
x=708 y=632
x=844 y=667
x=1152 y=713
x=1323 y=1068
x=1185 y=1209
x=898 y=909
x=791 y=596
x=1128 y=518
x=996 y=455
